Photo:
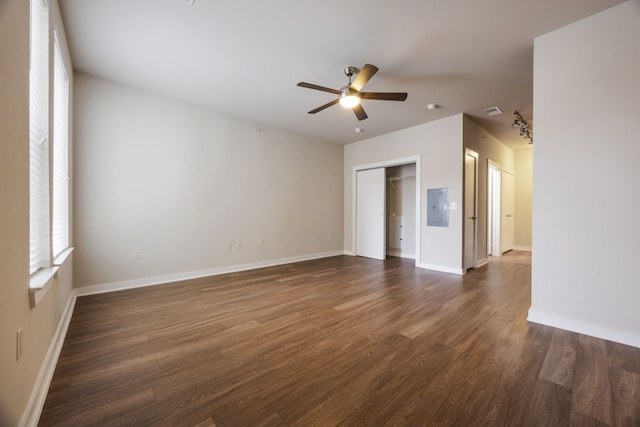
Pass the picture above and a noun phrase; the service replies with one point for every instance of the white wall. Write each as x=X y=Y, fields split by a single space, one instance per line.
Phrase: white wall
x=524 y=197
x=20 y=380
x=586 y=199
x=438 y=145
x=177 y=182
x=488 y=148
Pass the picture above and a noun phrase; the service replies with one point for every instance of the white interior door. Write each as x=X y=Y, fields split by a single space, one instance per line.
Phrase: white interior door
x=507 y=231
x=470 y=209
x=370 y=213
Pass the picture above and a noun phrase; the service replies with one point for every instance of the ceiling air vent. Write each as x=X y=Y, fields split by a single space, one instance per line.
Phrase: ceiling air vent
x=493 y=111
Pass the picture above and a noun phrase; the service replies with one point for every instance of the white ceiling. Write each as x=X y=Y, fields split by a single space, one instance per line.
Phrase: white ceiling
x=245 y=57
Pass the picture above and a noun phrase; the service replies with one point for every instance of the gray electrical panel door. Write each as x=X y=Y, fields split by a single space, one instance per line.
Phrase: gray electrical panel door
x=438 y=207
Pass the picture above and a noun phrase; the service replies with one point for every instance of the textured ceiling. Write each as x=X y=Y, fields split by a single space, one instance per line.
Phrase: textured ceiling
x=245 y=57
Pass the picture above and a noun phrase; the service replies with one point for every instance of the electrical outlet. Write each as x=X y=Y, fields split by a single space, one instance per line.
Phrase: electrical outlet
x=239 y=245
x=19 y=343
x=137 y=254
x=330 y=237
x=227 y=246
x=261 y=243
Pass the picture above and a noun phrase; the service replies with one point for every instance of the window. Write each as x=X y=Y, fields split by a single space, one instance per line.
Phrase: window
x=60 y=188
x=39 y=252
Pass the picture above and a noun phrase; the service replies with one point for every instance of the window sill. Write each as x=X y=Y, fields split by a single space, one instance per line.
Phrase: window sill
x=42 y=280
x=40 y=283
x=62 y=258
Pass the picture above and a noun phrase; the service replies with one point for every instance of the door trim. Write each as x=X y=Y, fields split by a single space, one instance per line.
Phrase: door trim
x=511 y=223
x=496 y=229
x=473 y=263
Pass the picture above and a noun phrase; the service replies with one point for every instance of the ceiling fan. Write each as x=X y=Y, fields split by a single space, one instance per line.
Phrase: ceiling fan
x=349 y=96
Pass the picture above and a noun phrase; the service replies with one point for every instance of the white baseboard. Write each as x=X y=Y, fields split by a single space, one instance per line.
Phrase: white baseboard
x=441 y=269
x=582 y=327
x=522 y=248
x=31 y=415
x=159 y=280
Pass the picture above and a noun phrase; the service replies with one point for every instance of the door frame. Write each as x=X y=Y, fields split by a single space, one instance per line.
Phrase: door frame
x=467 y=264
x=507 y=224
x=494 y=219
x=386 y=164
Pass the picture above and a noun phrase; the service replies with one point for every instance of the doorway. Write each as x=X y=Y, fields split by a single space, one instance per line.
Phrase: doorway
x=507 y=226
x=371 y=237
x=494 y=173
x=401 y=210
x=470 y=209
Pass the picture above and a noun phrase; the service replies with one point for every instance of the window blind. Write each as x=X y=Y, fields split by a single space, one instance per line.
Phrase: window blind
x=60 y=207
x=39 y=253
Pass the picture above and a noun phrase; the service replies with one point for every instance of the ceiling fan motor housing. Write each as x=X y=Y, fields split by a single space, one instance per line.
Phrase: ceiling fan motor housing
x=350 y=71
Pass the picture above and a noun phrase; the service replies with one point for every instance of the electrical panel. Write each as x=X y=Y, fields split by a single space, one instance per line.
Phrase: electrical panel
x=438 y=207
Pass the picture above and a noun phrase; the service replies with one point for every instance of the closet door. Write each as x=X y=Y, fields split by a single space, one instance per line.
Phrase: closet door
x=370 y=213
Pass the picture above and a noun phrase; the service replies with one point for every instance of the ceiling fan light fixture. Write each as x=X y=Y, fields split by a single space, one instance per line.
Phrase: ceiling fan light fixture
x=348 y=98
x=349 y=101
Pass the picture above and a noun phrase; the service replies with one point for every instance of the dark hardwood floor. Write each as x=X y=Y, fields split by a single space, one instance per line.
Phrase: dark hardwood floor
x=341 y=341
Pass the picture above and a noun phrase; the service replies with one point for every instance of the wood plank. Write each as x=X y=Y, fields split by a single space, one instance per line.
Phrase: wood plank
x=559 y=363
x=206 y=423
x=625 y=389
x=591 y=387
x=550 y=405
x=623 y=357
x=580 y=420
x=516 y=381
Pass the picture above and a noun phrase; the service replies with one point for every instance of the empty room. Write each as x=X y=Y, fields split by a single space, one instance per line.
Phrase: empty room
x=197 y=231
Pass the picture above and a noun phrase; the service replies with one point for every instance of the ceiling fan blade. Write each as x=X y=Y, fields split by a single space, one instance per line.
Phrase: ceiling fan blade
x=384 y=96
x=327 y=105
x=360 y=114
x=316 y=87
x=363 y=77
